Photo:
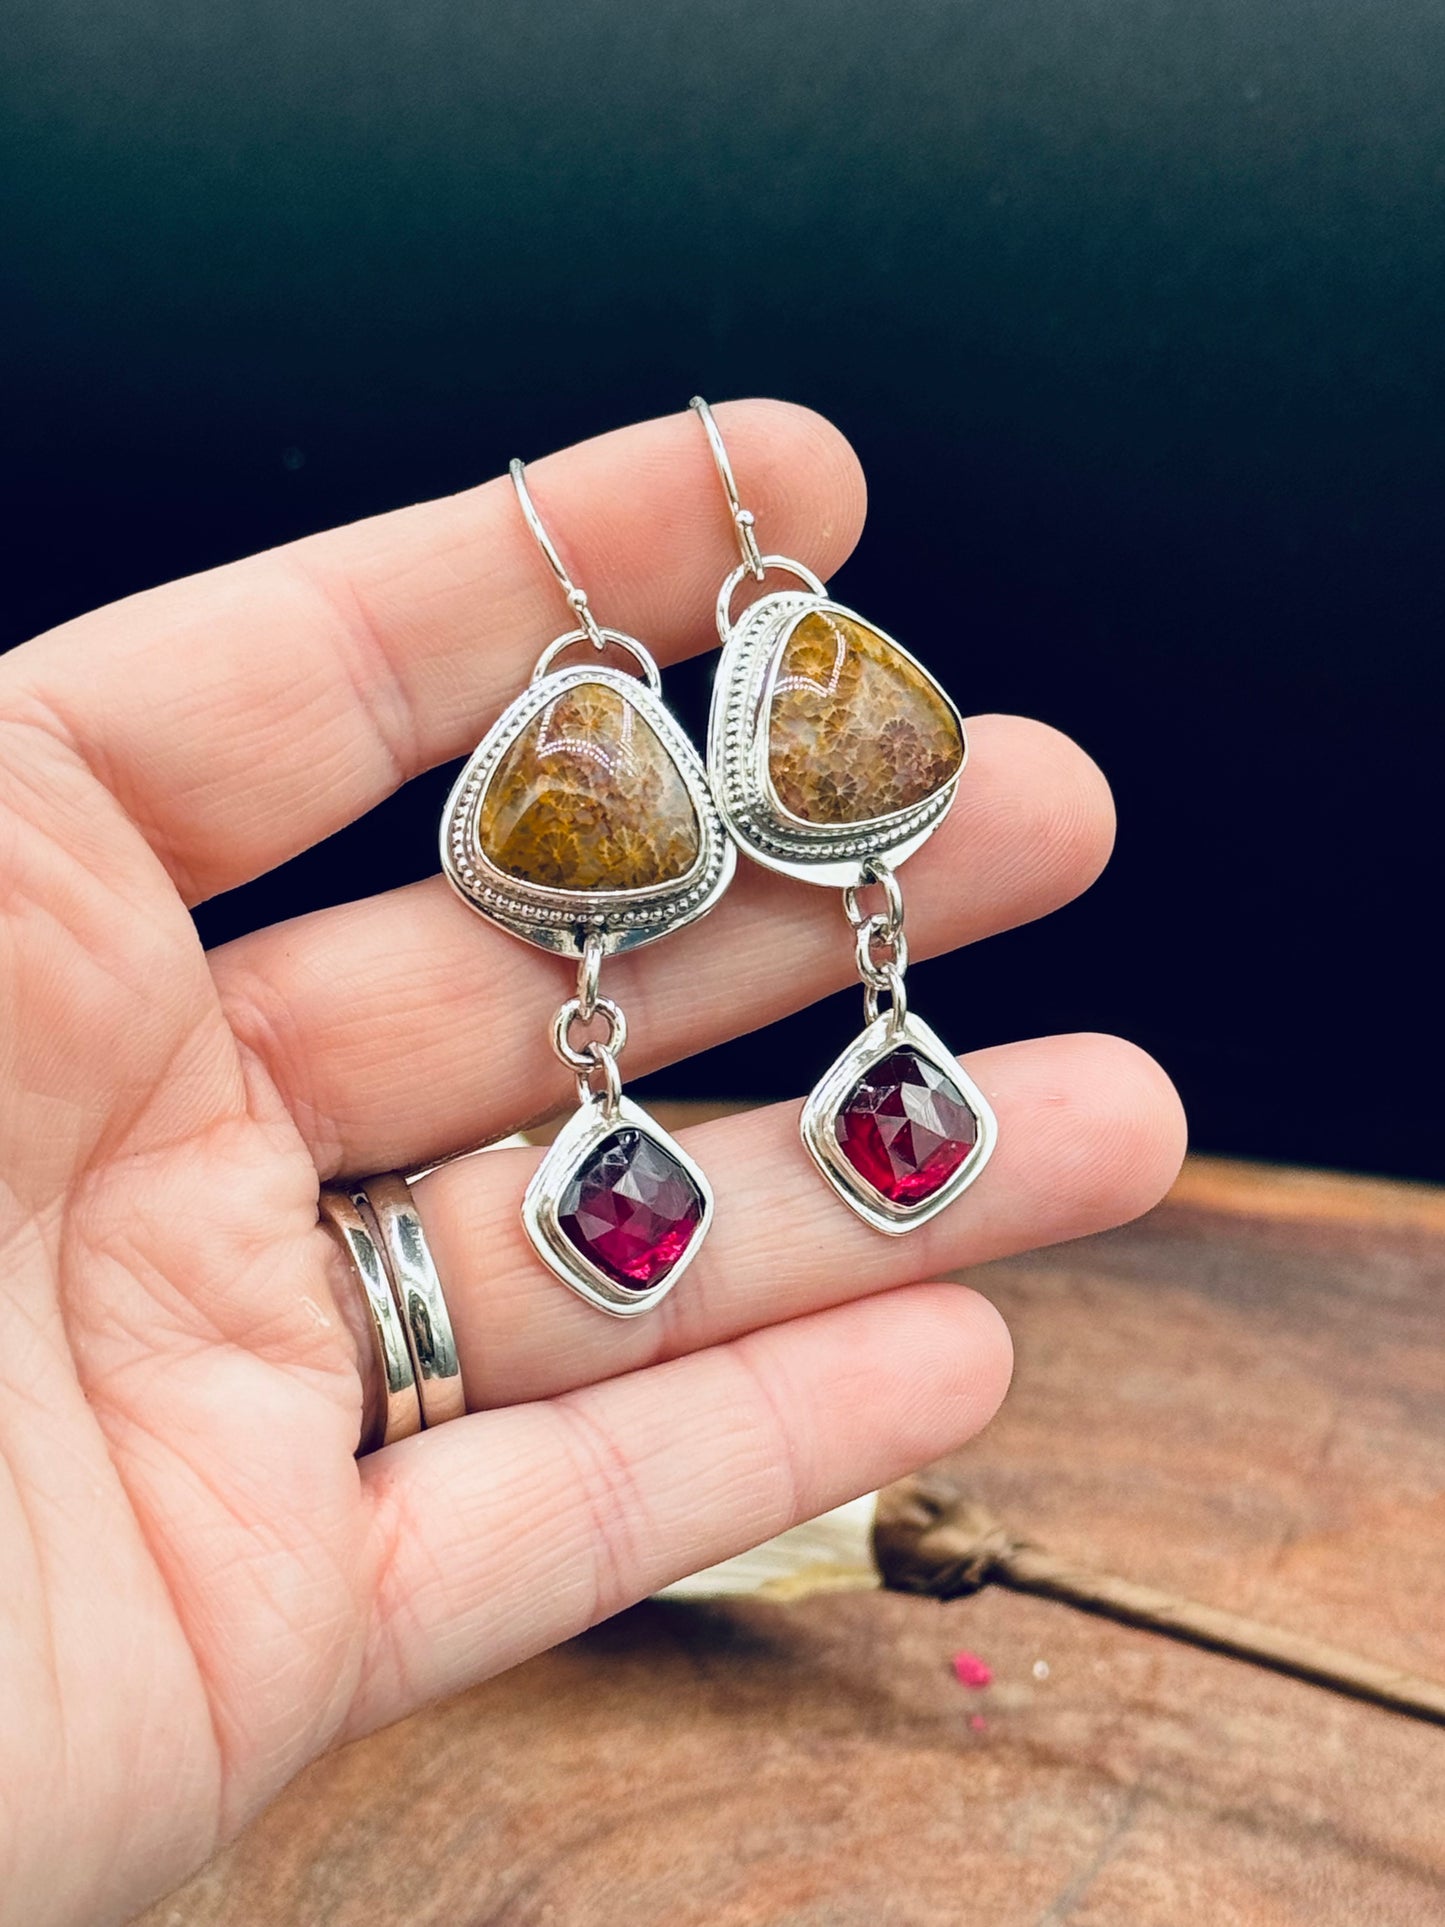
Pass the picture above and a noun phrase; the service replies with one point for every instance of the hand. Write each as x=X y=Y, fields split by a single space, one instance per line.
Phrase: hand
x=203 y=1587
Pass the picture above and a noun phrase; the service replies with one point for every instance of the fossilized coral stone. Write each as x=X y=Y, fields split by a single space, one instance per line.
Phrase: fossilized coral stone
x=589 y=797
x=856 y=730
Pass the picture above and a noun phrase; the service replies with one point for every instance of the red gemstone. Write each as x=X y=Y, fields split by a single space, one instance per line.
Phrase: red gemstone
x=632 y=1209
x=906 y=1127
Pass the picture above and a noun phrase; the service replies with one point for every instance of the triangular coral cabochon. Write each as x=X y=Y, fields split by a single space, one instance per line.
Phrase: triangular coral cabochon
x=856 y=729
x=588 y=797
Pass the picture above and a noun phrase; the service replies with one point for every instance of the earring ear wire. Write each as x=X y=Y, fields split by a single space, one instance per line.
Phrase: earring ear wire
x=743 y=520
x=576 y=598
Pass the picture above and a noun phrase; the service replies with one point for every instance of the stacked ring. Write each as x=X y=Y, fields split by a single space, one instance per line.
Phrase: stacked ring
x=380 y=1230
x=418 y=1290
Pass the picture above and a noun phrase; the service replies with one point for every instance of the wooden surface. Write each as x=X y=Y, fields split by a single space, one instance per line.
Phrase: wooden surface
x=1243 y=1398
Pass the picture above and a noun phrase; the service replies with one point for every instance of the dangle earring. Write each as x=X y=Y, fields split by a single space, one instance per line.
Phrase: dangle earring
x=833 y=756
x=583 y=824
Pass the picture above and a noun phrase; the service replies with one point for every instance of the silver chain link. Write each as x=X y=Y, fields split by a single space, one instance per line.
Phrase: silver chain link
x=880 y=947
x=889 y=920
x=598 y=1055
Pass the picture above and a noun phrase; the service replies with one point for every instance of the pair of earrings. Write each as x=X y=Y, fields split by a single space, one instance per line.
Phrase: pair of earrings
x=585 y=824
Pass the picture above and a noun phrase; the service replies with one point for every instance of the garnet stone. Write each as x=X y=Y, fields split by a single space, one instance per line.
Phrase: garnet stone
x=631 y=1209
x=906 y=1127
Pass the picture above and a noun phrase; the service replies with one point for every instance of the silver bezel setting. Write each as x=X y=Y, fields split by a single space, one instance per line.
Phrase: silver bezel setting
x=831 y=854
x=820 y=1114
x=578 y=1139
x=560 y=920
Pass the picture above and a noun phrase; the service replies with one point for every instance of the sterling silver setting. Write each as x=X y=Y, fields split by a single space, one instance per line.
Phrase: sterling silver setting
x=561 y=920
x=585 y=1132
x=853 y=857
x=833 y=854
x=589 y=925
x=886 y=1034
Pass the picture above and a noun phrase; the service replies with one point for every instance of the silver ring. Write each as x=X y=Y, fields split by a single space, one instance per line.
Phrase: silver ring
x=400 y=1412
x=418 y=1293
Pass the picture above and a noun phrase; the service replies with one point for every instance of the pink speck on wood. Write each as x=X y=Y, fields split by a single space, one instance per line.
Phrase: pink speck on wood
x=970 y=1670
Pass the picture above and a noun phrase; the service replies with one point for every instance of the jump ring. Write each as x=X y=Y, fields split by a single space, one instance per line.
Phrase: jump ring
x=602 y=1059
x=898 y=999
x=629 y=645
x=870 y=968
x=571 y=1013
x=889 y=921
x=589 y=970
x=783 y=563
x=870 y=971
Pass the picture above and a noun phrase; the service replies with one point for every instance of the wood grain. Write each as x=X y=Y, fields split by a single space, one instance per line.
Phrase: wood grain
x=1241 y=1398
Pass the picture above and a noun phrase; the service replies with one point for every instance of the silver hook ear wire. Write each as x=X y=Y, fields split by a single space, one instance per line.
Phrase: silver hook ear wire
x=576 y=598
x=742 y=518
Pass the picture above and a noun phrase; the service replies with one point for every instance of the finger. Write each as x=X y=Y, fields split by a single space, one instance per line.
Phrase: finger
x=243 y=715
x=1090 y=1134
x=403 y=1027
x=500 y=1534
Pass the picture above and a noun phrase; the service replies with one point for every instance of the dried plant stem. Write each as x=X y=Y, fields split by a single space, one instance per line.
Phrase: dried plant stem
x=931 y=1538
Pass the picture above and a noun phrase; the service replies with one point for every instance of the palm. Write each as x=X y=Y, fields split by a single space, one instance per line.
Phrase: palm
x=179 y=1401
x=203 y=1587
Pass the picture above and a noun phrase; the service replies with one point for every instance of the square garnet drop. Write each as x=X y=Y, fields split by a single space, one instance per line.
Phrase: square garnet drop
x=631 y=1209
x=906 y=1127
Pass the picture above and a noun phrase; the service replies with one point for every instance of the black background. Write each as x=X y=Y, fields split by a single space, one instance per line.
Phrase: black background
x=1135 y=311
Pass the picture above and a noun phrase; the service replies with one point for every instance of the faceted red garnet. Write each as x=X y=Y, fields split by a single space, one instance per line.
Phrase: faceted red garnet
x=906 y=1127
x=631 y=1209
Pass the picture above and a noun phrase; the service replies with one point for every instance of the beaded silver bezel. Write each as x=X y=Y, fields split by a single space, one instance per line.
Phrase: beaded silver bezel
x=579 y=1138
x=560 y=920
x=820 y=1114
x=830 y=854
